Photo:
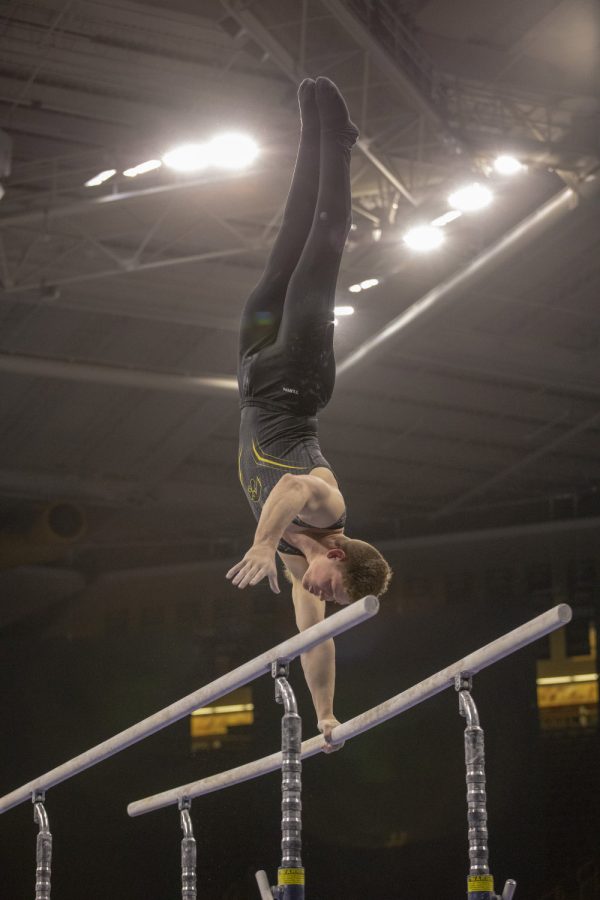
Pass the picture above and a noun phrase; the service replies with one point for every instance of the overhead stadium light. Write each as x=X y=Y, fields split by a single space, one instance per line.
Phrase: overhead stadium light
x=471 y=197
x=232 y=151
x=446 y=218
x=142 y=168
x=364 y=285
x=344 y=311
x=508 y=165
x=423 y=238
x=100 y=178
x=188 y=158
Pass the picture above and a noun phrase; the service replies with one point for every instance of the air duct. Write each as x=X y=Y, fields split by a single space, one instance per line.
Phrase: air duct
x=42 y=536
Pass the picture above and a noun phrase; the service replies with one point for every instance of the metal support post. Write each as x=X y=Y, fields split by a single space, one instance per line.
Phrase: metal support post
x=43 y=848
x=290 y=875
x=480 y=884
x=188 y=852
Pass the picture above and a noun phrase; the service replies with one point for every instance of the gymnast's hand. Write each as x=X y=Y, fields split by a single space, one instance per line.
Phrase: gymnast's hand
x=326 y=726
x=258 y=563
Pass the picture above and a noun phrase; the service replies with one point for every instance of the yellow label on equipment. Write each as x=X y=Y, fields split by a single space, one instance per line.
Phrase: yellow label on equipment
x=480 y=883
x=290 y=876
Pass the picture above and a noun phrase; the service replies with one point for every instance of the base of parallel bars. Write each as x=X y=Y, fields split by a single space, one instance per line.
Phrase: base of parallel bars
x=290 y=884
x=481 y=887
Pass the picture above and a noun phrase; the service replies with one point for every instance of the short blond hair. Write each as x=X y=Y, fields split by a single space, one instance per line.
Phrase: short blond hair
x=365 y=569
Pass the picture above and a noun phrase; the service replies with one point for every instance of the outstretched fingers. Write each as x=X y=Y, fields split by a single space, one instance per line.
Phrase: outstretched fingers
x=247 y=573
x=235 y=569
x=244 y=572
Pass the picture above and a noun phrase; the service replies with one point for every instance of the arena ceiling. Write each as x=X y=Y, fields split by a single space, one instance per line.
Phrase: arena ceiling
x=120 y=303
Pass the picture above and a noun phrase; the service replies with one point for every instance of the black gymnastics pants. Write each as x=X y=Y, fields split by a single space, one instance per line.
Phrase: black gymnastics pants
x=286 y=360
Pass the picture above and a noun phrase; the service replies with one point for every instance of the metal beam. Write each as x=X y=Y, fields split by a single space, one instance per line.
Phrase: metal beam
x=94 y=203
x=17 y=364
x=194 y=318
x=296 y=73
x=530 y=228
x=401 y=81
x=482 y=535
x=127 y=267
x=526 y=460
x=363 y=145
x=115 y=492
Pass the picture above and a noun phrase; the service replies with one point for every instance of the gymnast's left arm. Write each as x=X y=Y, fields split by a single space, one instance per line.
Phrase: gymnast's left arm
x=289 y=497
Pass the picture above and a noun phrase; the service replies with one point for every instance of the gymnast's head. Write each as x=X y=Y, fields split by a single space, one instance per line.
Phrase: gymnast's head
x=349 y=570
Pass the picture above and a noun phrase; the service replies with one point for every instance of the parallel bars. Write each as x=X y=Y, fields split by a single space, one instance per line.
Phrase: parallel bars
x=336 y=624
x=469 y=665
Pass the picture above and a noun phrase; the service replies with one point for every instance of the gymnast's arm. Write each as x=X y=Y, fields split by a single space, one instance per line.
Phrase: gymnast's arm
x=292 y=495
x=319 y=663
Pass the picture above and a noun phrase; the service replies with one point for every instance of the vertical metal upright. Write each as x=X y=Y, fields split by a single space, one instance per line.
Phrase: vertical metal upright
x=480 y=883
x=188 y=852
x=290 y=875
x=43 y=850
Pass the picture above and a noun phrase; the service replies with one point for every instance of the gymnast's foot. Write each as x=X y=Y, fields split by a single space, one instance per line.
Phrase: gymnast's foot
x=333 y=112
x=309 y=113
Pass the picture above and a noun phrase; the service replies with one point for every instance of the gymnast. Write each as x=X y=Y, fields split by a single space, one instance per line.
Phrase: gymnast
x=286 y=375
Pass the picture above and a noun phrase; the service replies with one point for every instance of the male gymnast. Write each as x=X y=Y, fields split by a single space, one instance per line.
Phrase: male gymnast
x=286 y=375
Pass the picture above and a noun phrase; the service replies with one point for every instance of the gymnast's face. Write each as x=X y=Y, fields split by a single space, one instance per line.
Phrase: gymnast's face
x=324 y=578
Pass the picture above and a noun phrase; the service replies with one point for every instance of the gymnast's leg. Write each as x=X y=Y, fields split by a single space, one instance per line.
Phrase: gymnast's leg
x=306 y=332
x=262 y=312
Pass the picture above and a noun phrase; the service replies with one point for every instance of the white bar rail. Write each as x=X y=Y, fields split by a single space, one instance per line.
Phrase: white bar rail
x=475 y=662
x=330 y=627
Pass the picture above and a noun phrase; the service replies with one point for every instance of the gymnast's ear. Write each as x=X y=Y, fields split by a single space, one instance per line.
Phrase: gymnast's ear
x=336 y=553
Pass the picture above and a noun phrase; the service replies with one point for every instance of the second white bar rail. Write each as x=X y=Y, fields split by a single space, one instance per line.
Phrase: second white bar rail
x=471 y=664
x=336 y=624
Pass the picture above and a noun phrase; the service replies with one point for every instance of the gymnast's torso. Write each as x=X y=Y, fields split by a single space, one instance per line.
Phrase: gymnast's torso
x=276 y=442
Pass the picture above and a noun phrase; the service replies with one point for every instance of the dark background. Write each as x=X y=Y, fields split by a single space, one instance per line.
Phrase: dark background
x=467 y=445
x=386 y=816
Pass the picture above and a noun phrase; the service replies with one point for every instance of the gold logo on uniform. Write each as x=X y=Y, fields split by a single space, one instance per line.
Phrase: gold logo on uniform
x=255 y=489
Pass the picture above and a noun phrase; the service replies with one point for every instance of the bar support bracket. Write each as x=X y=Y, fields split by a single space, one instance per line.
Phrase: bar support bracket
x=480 y=883
x=43 y=852
x=188 y=851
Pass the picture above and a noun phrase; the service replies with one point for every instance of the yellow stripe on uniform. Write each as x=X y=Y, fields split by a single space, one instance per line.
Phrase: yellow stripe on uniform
x=271 y=462
x=240 y=468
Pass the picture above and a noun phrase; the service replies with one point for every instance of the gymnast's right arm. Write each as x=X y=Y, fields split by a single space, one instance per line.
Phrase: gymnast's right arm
x=318 y=664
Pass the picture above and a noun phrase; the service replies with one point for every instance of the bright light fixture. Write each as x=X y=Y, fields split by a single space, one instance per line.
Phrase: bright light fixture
x=187 y=158
x=101 y=177
x=471 y=197
x=507 y=165
x=569 y=679
x=423 y=238
x=232 y=151
x=446 y=218
x=355 y=289
x=344 y=310
x=142 y=168
x=369 y=283
x=218 y=710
